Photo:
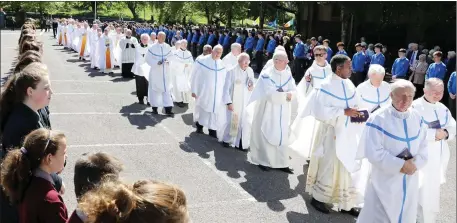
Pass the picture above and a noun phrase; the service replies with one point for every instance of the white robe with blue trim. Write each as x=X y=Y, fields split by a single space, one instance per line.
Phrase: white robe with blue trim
x=271 y=123
x=230 y=61
x=304 y=127
x=372 y=96
x=434 y=172
x=334 y=174
x=392 y=196
x=207 y=83
x=159 y=75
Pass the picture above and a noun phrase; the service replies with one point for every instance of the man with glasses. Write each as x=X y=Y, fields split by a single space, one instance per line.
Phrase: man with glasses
x=239 y=84
x=271 y=101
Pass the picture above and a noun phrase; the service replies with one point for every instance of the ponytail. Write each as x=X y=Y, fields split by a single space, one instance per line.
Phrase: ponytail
x=17 y=167
x=7 y=101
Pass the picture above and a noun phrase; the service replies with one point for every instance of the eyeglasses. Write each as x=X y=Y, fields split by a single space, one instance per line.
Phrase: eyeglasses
x=320 y=55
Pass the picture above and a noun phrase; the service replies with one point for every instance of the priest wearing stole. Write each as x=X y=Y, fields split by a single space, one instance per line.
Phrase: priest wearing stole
x=304 y=128
x=84 y=43
x=441 y=128
x=181 y=67
x=160 y=85
x=239 y=83
x=374 y=92
x=231 y=60
x=271 y=101
x=395 y=143
x=128 y=44
x=106 y=48
x=141 y=69
x=116 y=38
x=94 y=35
x=207 y=86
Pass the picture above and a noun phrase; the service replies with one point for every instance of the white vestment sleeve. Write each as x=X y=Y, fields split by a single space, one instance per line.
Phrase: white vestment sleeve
x=122 y=45
x=451 y=127
x=431 y=134
x=194 y=79
x=377 y=155
x=228 y=87
x=325 y=112
x=421 y=157
x=151 y=59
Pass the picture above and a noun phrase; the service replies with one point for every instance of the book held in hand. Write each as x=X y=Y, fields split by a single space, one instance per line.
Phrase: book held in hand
x=362 y=117
x=405 y=155
x=280 y=89
x=434 y=125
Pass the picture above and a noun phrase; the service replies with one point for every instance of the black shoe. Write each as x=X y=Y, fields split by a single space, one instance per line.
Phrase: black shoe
x=225 y=144
x=168 y=112
x=96 y=68
x=148 y=104
x=154 y=111
x=354 y=212
x=213 y=133
x=264 y=168
x=84 y=59
x=287 y=170
x=141 y=102
x=180 y=104
x=321 y=207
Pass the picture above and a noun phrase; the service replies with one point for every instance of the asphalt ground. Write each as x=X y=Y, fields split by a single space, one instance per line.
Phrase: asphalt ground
x=99 y=112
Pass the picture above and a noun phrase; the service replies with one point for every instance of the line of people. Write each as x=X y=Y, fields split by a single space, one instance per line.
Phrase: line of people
x=33 y=156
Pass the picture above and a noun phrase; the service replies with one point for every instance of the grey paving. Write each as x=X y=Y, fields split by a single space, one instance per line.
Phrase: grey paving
x=99 y=112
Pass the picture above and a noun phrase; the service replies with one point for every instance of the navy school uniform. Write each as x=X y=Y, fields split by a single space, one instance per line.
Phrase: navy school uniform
x=400 y=67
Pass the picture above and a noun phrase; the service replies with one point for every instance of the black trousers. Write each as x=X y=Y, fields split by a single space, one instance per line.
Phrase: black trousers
x=249 y=52
x=299 y=69
x=141 y=87
x=226 y=51
x=54 y=31
x=452 y=106
x=199 y=49
x=127 y=70
x=419 y=91
x=259 y=61
x=194 y=50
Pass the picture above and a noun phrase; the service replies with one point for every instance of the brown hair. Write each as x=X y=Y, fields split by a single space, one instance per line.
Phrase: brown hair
x=91 y=170
x=319 y=48
x=30 y=45
x=28 y=57
x=438 y=54
x=17 y=167
x=15 y=90
x=26 y=37
x=145 y=201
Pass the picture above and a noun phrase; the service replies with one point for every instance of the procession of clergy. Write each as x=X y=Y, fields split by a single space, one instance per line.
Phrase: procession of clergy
x=373 y=151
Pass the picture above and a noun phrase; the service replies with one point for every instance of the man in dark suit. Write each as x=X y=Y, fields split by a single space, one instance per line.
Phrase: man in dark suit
x=412 y=56
x=54 y=27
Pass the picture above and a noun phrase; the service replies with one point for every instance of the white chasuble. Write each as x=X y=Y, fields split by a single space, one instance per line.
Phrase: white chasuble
x=392 y=196
x=159 y=75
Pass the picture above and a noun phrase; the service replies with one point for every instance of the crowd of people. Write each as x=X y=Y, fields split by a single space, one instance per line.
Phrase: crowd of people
x=377 y=150
x=34 y=155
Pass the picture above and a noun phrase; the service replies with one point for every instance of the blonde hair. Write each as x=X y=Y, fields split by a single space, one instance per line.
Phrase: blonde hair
x=144 y=201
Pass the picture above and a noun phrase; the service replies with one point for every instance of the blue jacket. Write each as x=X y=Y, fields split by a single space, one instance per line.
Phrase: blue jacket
x=342 y=52
x=437 y=70
x=329 y=54
x=201 y=41
x=211 y=39
x=239 y=40
x=451 y=84
x=249 y=44
x=221 y=39
x=189 y=37
x=378 y=59
x=271 y=46
x=226 y=41
x=299 y=50
x=400 y=67
x=195 y=38
x=259 y=46
x=358 y=62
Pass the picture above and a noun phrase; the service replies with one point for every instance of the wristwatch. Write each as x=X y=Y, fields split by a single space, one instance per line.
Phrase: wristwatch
x=447 y=137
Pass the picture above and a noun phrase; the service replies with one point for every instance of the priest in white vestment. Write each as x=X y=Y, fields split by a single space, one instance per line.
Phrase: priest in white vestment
x=270 y=61
x=106 y=56
x=303 y=128
x=207 y=50
x=127 y=45
x=160 y=84
x=394 y=142
x=141 y=69
x=240 y=83
x=374 y=92
x=68 y=34
x=153 y=39
x=441 y=128
x=94 y=34
x=271 y=98
x=181 y=68
x=84 y=42
x=116 y=39
x=207 y=87
x=334 y=175
x=231 y=60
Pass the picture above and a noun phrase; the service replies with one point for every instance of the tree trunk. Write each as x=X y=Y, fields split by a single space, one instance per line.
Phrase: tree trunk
x=262 y=17
x=132 y=7
x=184 y=20
x=229 y=16
x=311 y=9
x=298 y=17
x=208 y=15
x=343 y=24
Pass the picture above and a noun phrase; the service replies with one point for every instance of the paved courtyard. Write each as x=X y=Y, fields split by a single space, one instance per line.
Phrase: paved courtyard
x=98 y=112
